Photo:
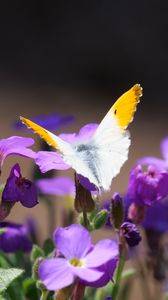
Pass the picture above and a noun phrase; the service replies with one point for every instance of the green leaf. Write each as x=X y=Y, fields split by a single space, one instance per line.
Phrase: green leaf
x=7 y=276
x=2 y=230
x=36 y=253
x=4 y=261
x=48 y=246
x=128 y=273
x=30 y=289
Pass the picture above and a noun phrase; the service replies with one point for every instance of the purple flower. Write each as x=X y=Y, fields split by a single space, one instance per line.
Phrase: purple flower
x=80 y=259
x=50 y=122
x=14 y=238
x=146 y=187
x=84 y=134
x=159 y=163
x=60 y=186
x=156 y=217
x=52 y=160
x=131 y=233
x=20 y=189
x=16 y=145
x=49 y=160
x=108 y=270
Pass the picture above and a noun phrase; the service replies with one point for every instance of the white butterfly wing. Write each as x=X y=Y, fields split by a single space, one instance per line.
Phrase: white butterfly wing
x=112 y=145
x=100 y=158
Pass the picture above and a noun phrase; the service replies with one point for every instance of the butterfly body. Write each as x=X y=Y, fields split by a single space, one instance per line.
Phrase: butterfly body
x=101 y=157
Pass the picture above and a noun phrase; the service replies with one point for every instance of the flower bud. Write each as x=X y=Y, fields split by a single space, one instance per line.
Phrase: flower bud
x=83 y=198
x=117 y=211
x=131 y=233
x=5 y=208
x=35 y=268
x=100 y=219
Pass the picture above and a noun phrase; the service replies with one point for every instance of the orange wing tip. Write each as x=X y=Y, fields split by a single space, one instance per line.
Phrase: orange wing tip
x=25 y=121
x=44 y=134
x=137 y=89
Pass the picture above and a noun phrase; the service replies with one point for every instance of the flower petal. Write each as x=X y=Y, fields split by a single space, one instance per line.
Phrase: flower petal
x=20 y=189
x=87 y=274
x=108 y=271
x=72 y=241
x=16 y=145
x=103 y=251
x=15 y=238
x=164 y=148
x=60 y=186
x=85 y=133
x=48 y=160
x=150 y=160
x=50 y=122
x=55 y=273
x=86 y=183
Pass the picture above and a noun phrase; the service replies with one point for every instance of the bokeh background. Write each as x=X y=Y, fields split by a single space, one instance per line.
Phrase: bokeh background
x=78 y=57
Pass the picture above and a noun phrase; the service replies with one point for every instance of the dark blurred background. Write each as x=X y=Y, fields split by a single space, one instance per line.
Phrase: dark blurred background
x=103 y=46
x=78 y=57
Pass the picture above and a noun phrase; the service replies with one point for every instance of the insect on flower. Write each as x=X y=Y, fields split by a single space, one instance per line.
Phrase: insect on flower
x=100 y=157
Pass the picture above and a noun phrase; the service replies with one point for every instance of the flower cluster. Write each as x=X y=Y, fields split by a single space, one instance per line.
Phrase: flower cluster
x=72 y=266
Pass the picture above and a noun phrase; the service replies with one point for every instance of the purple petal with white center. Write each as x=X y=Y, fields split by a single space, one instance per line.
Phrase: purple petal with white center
x=55 y=273
x=16 y=145
x=164 y=148
x=86 y=273
x=48 y=160
x=72 y=241
x=103 y=251
x=60 y=186
x=84 y=134
x=150 y=160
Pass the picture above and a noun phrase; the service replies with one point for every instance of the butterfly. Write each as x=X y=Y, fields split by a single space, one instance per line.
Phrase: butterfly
x=101 y=157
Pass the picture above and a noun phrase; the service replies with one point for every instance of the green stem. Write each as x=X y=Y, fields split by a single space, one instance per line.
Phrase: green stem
x=44 y=295
x=85 y=219
x=118 y=278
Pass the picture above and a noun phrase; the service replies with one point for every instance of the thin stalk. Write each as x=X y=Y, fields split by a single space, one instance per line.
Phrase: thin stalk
x=118 y=278
x=85 y=219
x=44 y=295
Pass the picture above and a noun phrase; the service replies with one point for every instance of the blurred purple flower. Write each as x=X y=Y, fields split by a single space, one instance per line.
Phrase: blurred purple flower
x=84 y=134
x=61 y=186
x=156 y=217
x=80 y=259
x=14 y=238
x=155 y=161
x=49 y=160
x=50 y=122
x=20 y=189
x=87 y=184
x=131 y=233
x=16 y=145
x=146 y=187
